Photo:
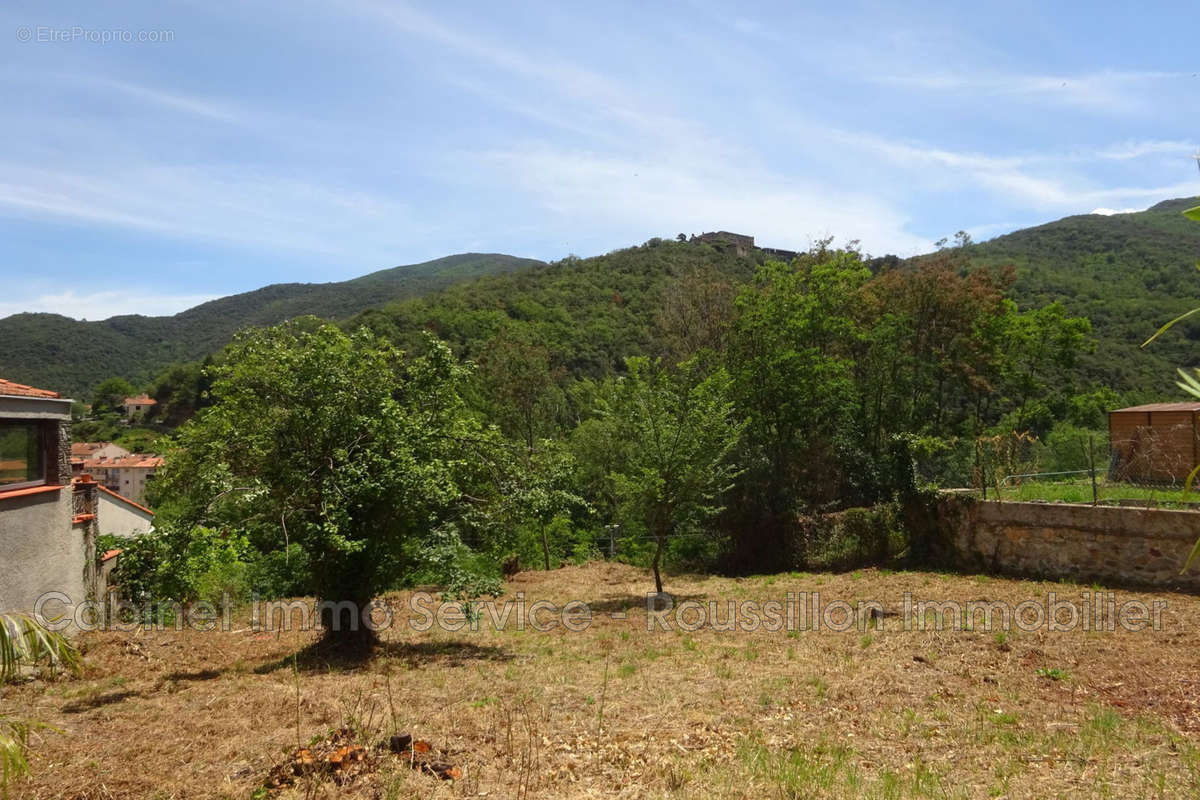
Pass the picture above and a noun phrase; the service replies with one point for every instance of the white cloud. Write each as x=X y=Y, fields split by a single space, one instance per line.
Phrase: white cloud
x=175 y=101
x=103 y=304
x=1038 y=180
x=666 y=196
x=217 y=203
x=1108 y=212
x=1105 y=90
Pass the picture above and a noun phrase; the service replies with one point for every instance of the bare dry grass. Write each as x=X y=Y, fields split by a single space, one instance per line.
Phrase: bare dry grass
x=618 y=711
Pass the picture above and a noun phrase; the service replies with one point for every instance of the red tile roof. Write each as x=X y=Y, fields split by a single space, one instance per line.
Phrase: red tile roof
x=21 y=390
x=135 y=460
x=142 y=400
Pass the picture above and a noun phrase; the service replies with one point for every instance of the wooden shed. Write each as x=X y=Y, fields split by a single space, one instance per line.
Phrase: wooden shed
x=1155 y=443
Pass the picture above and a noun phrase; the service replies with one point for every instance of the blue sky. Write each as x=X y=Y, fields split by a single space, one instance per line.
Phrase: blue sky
x=209 y=148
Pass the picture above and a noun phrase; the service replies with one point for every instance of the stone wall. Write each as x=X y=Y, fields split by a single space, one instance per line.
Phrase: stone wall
x=1135 y=546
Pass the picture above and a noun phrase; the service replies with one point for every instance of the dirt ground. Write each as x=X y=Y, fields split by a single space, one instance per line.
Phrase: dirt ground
x=621 y=711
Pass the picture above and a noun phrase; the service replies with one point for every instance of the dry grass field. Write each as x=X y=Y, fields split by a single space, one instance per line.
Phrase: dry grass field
x=619 y=711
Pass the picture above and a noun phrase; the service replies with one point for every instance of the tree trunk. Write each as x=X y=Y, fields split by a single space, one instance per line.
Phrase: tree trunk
x=658 y=551
x=545 y=544
x=343 y=627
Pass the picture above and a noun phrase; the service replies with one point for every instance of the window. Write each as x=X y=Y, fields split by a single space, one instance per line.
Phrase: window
x=22 y=454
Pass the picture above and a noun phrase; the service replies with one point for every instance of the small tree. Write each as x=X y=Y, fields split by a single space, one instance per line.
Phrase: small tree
x=679 y=429
x=543 y=488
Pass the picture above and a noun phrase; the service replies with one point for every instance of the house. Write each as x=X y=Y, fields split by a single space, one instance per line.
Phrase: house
x=85 y=450
x=117 y=515
x=126 y=475
x=138 y=405
x=47 y=523
x=1154 y=443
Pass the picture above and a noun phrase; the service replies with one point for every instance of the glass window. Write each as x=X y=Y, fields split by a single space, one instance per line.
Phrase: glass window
x=22 y=454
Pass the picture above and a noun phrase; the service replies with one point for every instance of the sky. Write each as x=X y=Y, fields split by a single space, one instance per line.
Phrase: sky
x=159 y=154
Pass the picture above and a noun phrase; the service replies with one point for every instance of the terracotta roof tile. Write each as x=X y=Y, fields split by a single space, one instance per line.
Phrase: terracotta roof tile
x=134 y=460
x=21 y=390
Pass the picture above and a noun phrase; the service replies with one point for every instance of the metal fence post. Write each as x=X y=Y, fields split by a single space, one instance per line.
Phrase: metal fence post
x=1092 y=467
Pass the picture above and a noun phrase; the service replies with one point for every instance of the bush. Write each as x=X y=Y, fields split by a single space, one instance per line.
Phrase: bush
x=856 y=537
x=1065 y=448
x=575 y=545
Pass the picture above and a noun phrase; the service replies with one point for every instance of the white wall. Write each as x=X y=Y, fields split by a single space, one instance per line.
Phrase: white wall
x=41 y=550
x=121 y=519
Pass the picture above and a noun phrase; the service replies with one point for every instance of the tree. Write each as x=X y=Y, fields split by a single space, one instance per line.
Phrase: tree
x=520 y=385
x=789 y=359
x=109 y=396
x=544 y=488
x=179 y=390
x=336 y=442
x=1190 y=382
x=680 y=428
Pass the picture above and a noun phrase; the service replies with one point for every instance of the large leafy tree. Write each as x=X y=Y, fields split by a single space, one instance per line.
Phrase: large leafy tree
x=789 y=360
x=109 y=396
x=335 y=442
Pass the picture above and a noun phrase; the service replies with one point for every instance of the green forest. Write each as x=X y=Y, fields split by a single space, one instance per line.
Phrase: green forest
x=677 y=403
x=705 y=409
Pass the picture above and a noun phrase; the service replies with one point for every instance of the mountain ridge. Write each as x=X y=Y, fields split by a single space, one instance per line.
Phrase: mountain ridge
x=71 y=356
x=1129 y=273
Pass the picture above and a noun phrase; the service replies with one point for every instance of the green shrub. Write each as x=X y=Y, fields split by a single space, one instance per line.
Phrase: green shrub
x=854 y=538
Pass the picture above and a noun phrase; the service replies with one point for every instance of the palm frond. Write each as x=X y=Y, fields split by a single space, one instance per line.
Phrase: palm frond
x=24 y=641
x=1167 y=327
x=1190 y=383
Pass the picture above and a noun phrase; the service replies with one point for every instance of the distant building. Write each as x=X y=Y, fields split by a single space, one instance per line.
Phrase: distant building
x=138 y=405
x=85 y=450
x=126 y=475
x=741 y=243
x=779 y=255
x=47 y=524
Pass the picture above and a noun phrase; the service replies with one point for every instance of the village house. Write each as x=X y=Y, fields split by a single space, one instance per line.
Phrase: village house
x=85 y=450
x=117 y=515
x=135 y=406
x=126 y=475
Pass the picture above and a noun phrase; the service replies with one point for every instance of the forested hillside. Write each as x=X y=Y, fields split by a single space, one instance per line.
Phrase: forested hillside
x=71 y=356
x=1127 y=273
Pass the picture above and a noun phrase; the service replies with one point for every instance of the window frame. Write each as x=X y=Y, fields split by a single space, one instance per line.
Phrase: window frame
x=43 y=435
